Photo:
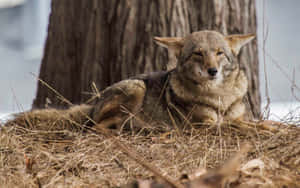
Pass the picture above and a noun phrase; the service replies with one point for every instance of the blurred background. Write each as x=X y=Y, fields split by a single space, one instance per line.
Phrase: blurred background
x=23 y=30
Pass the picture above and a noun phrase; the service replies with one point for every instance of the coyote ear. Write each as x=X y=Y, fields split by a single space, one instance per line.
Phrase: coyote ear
x=236 y=42
x=174 y=44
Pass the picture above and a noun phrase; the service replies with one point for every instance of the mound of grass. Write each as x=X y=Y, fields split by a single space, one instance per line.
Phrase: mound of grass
x=56 y=153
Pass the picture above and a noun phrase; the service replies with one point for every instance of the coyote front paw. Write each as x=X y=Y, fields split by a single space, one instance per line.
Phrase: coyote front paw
x=212 y=121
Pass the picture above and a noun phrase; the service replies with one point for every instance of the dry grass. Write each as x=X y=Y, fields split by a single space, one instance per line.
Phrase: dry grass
x=54 y=154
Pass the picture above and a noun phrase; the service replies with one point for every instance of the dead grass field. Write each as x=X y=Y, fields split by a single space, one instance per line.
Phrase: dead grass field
x=55 y=153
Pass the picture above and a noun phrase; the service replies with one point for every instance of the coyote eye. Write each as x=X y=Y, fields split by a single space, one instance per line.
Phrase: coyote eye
x=220 y=53
x=198 y=53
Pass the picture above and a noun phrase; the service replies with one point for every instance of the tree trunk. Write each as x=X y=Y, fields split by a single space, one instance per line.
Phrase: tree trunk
x=109 y=40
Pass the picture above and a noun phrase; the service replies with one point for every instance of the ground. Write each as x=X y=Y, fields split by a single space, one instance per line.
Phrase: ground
x=56 y=154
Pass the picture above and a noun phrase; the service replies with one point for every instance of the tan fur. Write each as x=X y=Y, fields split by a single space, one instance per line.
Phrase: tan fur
x=116 y=99
x=53 y=119
x=221 y=97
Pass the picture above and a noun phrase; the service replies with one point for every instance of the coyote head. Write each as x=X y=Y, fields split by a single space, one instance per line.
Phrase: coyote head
x=205 y=55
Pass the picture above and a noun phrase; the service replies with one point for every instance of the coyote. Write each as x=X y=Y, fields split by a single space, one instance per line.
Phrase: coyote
x=206 y=86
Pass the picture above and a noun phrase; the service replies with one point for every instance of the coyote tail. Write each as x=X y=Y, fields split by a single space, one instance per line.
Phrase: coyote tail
x=53 y=119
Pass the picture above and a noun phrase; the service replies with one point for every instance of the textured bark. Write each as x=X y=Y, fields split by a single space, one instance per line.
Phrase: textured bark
x=110 y=40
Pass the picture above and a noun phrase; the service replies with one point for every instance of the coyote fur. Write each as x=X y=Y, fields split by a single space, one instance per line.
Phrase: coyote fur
x=206 y=86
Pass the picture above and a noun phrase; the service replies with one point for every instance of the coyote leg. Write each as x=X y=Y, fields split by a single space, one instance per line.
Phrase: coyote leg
x=110 y=110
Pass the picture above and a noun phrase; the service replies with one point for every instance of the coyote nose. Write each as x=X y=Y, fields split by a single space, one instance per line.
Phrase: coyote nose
x=212 y=71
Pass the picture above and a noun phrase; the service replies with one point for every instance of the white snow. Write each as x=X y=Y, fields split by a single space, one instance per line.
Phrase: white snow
x=283 y=111
x=5 y=117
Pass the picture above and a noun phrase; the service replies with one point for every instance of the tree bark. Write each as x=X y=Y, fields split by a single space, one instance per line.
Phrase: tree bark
x=110 y=40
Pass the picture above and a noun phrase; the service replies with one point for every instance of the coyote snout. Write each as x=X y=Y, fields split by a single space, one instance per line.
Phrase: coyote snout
x=209 y=64
x=212 y=71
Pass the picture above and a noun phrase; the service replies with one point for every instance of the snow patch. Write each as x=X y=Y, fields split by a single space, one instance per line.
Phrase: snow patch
x=4 y=117
x=283 y=111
